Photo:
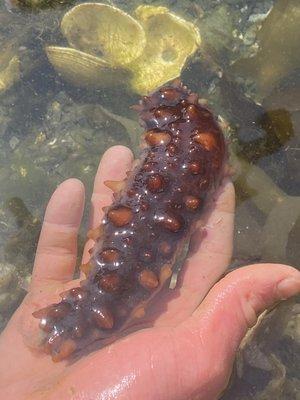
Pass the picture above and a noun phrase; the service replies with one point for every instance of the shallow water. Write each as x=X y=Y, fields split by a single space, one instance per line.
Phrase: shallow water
x=248 y=68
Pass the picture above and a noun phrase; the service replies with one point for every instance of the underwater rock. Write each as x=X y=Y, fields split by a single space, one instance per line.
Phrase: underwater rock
x=266 y=134
x=5 y=121
x=13 y=5
x=285 y=95
x=132 y=127
x=247 y=234
x=278 y=54
x=263 y=369
x=9 y=69
x=260 y=130
x=217 y=31
x=75 y=135
x=20 y=244
x=22 y=54
x=245 y=115
x=278 y=123
x=10 y=291
x=240 y=108
x=277 y=229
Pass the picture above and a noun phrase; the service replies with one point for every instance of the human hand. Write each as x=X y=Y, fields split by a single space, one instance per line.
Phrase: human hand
x=189 y=351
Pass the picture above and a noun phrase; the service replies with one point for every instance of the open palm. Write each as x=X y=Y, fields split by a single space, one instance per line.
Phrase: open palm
x=196 y=329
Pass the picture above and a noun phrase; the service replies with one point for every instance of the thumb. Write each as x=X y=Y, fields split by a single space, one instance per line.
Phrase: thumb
x=229 y=310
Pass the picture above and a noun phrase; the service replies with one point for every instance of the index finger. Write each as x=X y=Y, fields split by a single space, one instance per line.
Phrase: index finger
x=114 y=164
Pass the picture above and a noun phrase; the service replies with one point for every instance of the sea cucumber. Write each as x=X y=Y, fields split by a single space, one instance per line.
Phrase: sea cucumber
x=181 y=164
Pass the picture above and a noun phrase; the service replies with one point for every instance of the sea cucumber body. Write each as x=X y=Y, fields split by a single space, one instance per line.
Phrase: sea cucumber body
x=181 y=164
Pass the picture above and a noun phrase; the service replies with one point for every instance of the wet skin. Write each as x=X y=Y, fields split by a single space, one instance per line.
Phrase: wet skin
x=189 y=351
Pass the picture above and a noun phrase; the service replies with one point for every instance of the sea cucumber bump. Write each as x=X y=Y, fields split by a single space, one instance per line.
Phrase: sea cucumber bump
x=120 y=216
x=182 y=161
x=115 y=186
x=148 y=279
x=155 y=138
x=156 y=183
x=192 y=202
x=195 y=167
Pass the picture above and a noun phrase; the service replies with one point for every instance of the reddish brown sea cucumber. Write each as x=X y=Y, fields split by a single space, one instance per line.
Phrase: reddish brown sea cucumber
x=181 y=164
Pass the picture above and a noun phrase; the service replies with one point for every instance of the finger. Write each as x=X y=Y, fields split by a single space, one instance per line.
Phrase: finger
x=114 y=164
x=211 y=248
x=217 y=327
x=57 y=248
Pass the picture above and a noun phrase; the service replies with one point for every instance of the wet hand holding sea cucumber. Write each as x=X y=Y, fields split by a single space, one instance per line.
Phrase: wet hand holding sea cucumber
x=180 y=166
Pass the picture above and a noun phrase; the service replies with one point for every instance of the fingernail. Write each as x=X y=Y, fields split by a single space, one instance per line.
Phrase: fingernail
x=288 y=287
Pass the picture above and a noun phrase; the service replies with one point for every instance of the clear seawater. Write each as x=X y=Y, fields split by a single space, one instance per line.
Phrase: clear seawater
x=51 y=130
